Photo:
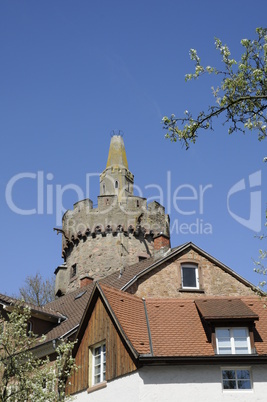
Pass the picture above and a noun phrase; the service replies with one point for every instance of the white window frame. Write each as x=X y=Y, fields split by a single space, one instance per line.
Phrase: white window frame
x=232 y=340
x=191 y=266
x=101 y=364
x=236 y=379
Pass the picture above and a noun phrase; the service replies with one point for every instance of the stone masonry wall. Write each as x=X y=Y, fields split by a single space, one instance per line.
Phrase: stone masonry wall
x=166 y=280
x=102 y=255
x=98 y=241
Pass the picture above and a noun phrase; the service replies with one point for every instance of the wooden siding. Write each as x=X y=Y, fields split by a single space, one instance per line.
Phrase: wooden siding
x=118 y=360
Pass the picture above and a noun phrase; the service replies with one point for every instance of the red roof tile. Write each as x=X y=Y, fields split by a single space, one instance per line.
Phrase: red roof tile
x=130 y=314
x=175 y=326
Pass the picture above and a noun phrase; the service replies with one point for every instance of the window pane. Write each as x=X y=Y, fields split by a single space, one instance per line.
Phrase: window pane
x=241 y=351
x=97 y=379
x=97 y=360
x=97 y=351
x=224 y=343
x=239 y=332
x=223 y=333
x=244 y=384
x=241 y=345
x=228 y=374
x=243 y=374
x=241 y=342
x=225 y=351
x=97 y=369
x=189 y=277
x=229 y=384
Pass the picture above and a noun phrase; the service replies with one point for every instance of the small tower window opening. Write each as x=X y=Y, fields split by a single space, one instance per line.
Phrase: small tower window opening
x=137 y=204
x=73 y=271
x=104 y=188
x=116 y=184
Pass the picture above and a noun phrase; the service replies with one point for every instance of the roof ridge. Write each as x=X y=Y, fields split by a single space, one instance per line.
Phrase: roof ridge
x=118 y=291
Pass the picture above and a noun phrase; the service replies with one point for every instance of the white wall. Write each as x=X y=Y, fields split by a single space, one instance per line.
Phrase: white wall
x=178 y=383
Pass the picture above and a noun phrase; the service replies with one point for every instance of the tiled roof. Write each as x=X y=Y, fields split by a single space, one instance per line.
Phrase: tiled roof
x=41 y=310
x=130 y=313
x=175 y=326
x=72 y=306
x=217 y=308
x=259 y=306
x=118 y=280
x=176 y=329
x=6 y=299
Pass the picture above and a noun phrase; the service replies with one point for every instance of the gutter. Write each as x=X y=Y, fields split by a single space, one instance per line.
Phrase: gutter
x=202 y=360
x=70 y=332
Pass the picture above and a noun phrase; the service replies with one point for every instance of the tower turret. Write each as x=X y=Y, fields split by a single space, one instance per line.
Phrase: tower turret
x=119 y=232
x=116 y=179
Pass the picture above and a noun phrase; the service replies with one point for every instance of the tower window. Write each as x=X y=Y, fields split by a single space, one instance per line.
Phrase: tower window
x=116 y=184
x=104 y=188
x=73 y=271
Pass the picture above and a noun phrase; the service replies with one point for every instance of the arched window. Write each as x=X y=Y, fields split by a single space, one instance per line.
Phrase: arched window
x=116 y=184
x=104 y=188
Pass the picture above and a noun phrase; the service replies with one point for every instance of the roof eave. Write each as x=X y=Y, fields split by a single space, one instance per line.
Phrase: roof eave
x=202 y=360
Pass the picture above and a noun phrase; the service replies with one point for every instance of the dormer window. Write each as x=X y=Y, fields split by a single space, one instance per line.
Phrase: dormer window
x=235 y=341
x=190 y=278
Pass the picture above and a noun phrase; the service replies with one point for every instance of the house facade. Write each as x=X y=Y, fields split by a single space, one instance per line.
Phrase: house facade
x=151 y=322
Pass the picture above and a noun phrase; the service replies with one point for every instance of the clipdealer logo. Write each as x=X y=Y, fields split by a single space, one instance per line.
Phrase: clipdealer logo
x=254 y=220
x=183 y=202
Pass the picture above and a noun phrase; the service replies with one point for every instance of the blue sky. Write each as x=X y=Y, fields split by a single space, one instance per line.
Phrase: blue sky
x=73 y=71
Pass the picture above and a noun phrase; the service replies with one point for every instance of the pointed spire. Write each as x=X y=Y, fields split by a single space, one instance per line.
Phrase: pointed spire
x=116 y=179
x=117 y=154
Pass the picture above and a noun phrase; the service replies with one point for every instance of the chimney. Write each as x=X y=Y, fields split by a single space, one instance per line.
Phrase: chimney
x=85 y=280
x=161 y=245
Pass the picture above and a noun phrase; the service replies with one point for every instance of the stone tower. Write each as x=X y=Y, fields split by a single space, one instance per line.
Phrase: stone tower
x=121 y=231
